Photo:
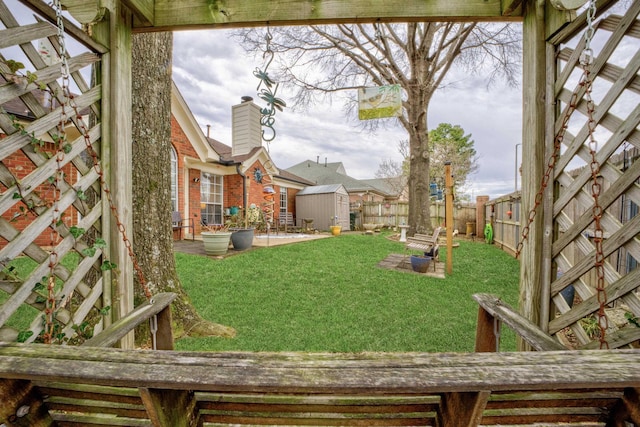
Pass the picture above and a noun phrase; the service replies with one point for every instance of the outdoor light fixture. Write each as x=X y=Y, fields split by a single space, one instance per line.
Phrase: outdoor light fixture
x=196 y=179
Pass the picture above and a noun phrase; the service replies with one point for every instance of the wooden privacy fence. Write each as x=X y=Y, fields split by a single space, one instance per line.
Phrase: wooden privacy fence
x=504 y=216
x=397 y=213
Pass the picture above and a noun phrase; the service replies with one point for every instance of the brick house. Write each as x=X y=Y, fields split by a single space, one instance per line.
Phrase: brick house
x=210 y=180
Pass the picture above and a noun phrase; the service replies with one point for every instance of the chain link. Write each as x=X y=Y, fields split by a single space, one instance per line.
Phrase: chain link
x=596 y=212
x=56 y=185
x=585 y=83
x=70 y=101
x=557 y=144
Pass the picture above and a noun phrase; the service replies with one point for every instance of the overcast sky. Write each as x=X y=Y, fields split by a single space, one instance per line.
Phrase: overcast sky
x=212 y=72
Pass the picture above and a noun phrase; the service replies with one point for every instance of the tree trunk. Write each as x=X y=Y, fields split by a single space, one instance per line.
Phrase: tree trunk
x=152 y=230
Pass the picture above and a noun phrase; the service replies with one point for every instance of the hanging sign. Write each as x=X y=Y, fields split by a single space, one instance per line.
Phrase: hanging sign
x=379 y=102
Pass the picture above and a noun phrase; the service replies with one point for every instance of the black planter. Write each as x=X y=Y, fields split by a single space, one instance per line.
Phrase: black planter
x=242 y=238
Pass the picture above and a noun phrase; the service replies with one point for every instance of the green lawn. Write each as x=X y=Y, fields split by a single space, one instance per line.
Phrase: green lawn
x=328 y=295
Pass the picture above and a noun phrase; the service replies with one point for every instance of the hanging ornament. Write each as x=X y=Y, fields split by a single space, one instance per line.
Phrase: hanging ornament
x=268 y=93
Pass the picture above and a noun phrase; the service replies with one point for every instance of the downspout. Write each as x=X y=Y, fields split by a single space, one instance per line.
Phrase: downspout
x=244 y=193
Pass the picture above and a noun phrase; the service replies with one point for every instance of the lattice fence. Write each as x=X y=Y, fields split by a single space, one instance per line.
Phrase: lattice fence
x=572 y=248
x=50 y=195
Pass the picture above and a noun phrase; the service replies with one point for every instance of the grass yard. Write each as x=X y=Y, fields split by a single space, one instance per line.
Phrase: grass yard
x=328 y=295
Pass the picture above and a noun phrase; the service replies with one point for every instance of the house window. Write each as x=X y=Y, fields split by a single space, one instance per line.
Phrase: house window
x=174 y=180
x=211 y=198
x=283 y=199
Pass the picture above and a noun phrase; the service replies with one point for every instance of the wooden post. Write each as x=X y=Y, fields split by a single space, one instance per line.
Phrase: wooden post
x=486 y=340
x=114 y=31
x=448 y=181
x=533 y=137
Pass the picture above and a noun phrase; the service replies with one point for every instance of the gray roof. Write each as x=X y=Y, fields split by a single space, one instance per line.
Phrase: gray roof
x=321 y=189
x=333 y=173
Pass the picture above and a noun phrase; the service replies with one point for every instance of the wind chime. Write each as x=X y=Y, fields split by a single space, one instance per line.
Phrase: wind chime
x=274 y=104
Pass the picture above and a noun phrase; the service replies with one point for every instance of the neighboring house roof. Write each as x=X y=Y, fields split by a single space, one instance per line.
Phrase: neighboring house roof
x=393 y=186
x=321 y=189
x=334 y=173
x=295 y=178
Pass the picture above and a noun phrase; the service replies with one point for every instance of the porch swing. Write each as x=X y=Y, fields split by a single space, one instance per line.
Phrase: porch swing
x=94 y=385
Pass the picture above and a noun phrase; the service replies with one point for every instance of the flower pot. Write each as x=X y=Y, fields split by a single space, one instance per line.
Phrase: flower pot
x=335 y=229
x=242 y=238
x=420 y=263
x=216 y=243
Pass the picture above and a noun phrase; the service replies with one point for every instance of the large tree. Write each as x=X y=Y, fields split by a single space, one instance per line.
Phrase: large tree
x=418 y=56
x=152 y=230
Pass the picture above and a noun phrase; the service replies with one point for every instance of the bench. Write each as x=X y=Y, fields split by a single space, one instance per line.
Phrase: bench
x=426 y=243
x=286 y=222
x=179 y=223
x=63 y=385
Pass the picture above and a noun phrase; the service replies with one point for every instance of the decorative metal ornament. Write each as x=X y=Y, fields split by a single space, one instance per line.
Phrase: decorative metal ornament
x=268 y=94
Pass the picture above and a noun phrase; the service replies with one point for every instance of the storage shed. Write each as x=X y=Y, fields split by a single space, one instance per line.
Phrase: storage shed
x=326 y=204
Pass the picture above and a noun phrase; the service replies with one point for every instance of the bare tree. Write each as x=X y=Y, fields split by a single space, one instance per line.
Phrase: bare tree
x=396 y=173
x=324 y=60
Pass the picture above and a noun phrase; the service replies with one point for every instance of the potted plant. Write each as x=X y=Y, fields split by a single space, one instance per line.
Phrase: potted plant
x=243 y=229
x=335 y=228
x=216 y=239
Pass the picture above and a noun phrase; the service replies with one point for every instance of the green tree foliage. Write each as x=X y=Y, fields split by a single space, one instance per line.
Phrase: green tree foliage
x=449 y=143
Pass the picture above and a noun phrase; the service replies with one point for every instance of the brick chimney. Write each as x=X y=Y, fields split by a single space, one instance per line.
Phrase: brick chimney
x=246 y=133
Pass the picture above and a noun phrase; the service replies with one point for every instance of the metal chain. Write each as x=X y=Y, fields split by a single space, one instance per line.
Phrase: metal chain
x=557 y=144
x=585 y=59
x=56 y=216
x=597 y=211
x=96 y=161
x=585 y=83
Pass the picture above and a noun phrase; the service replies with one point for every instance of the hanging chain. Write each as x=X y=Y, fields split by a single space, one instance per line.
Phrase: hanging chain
x=597 y=211
x=70 y=100
x=585 y=60
x=586 y=84
x=557 y=144
x=56 y=183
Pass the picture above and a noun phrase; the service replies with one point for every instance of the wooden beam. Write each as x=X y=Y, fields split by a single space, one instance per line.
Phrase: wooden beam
x=512 y=7
x=115 y=76
x=142 y=10
x=448 y=198
x=170 y=407
x=463 y=409
x=526 y=329
x=533 y=149
x=123 y=326
x=322 y=373
x=173 y=15
x=486 y=339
